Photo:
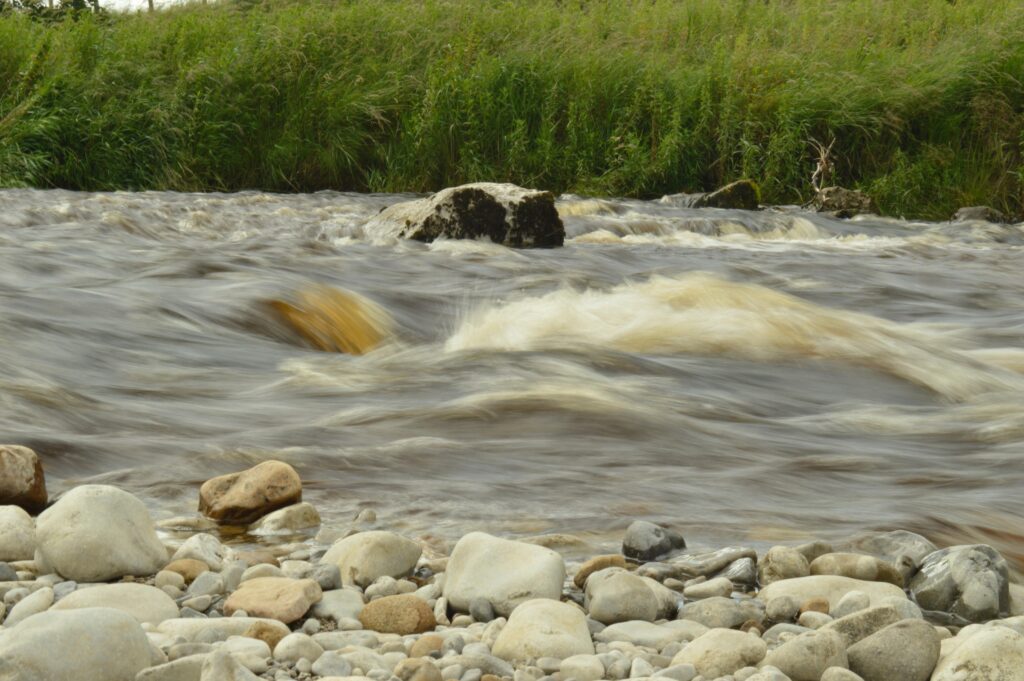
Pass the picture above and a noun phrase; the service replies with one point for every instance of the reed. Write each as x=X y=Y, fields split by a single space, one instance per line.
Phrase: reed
x=924 y=97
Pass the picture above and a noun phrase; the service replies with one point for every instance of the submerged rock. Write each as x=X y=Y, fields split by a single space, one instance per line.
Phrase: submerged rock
x=843 y=203
x=982 y=213
x=741 y=195
x=647 y=541
x=504 y=213
x=22 y=482
x=970 y=581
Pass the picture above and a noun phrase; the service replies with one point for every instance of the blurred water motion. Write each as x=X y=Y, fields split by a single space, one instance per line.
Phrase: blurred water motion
x=747 y=376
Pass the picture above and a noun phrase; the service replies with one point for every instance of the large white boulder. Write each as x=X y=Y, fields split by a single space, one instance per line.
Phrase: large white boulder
x=722 y=651
x=986 y=654
x=501 y=571
x=17 y=534
x=97 y=532
x=144 y=603
x=365 y=556
x=544 y=628
x=94 y=644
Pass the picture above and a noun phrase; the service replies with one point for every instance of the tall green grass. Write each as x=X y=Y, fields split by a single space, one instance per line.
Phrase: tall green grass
x=924 y=97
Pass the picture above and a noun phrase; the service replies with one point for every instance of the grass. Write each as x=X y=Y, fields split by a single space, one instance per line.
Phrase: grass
x=924 y=97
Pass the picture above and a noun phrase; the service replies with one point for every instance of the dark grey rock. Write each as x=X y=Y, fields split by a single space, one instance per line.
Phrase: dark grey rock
x=7 y=573
x=982 y=213
x=327 y=575
x=971 y=581
x=647 y=541
x=481 y=610
x=742 y=572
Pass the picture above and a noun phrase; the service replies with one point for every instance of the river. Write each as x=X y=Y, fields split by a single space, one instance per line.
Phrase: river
x=747 y=377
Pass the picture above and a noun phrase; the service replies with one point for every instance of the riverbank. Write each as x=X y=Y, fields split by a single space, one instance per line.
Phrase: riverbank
x=93 y=572
x=922 y=98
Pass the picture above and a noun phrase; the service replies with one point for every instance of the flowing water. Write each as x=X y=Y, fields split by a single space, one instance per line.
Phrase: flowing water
x=745 y=376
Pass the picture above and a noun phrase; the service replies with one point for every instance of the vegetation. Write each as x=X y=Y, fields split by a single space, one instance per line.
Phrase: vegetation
x=924 y=97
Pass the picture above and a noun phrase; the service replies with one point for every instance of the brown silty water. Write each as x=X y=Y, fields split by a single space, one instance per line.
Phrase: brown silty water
x=747 y=377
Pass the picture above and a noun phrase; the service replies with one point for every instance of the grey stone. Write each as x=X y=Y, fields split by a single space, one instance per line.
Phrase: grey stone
x=722 y=651
x=782 y=609
x=780 y=563
x=742 y=572
x=705 y=564
x=647 y=541
x=970 y=581
x=723 y=613
x=332 y=664
x=7 y=573
x=981 y=213
x=327 y=575
x=907 y=650
x=220 y=666
x=807 y=656
x=839 y=674
x=614 y=595
x=863 y=623
x=891 y=545
x=183 y=669
x=852 y=602
x=481 y=610
x=206 y=584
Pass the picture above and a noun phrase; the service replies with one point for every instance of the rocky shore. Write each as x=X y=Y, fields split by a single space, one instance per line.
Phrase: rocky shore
x=94 y=590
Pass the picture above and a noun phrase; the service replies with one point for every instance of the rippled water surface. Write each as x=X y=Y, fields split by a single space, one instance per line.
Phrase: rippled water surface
x=745 y=376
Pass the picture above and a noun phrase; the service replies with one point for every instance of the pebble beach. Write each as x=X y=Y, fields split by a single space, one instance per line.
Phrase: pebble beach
x=96 y=589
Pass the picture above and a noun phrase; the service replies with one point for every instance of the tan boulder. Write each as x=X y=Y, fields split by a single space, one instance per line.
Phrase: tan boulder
x=244 y=497
x=595 y=564
x=266 y=632
x=22 y=482
x=189 y=568
x=278 y=598
x=425 y=645
x=403 y=614
x=857 y=566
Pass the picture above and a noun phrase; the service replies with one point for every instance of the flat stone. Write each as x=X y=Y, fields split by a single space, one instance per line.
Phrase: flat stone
x=646 y=634
x=339 y=604
x=296 y=646
x=403 y=614
x=857 y=566
x=780 y=563
x=22 y=482
x=720 y=586
x=705 y=564
x=594 y=565
x=582 y=668
x=722 y=651
x=33 y=604
x=364 y=557
x=863 y=623
x=504 y=572
x=907 y=650
x=891 y=545
x=223 y=627
x=830 y=587
x=74 y=644
x=807 y=656
x=17 y=534
x=95 y=533
x=220 y=666
x=544 y=628
x=244 y=497
x=145 y=603
x=839 y=674
x=188 y=668
x=279 y=598
x=742 y=572
x=647 y=541
x=287 y=520
x=850 y=603
x=723 y=613
x=969 y=581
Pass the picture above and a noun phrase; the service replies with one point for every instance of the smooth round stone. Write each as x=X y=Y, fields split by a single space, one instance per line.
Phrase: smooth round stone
x=295 y=646
x=417 y=669
x=782 y=609
x=891 y=545
x=907 y=650
x=645 y=541
x=781 y=563
x=720 y=586
x=426 y=645
x=505 y=573
x=614 y=595
x=807 y=656
x=168 y=578
x=261 y=570
x=742 y=571
x=594 y=565
x=987 y=654
x=339 y=604
x=648 y=634
x=857 y=566
x=33 y=604
x=95 y=533
x=279 y=598
x=831 y=588
x=812 y=619
x=328 y=576
x=582 y=668
x=364 y=557
x=22 y=481
x=969 y=581
x=206 y=584
x=17 y=534
x=93 y=644
x=839 y=674
x=722 y=651
x=863 y=623
x=331 y=664
x=400 y=614
x=287 y=520
x=724 y=613
x=144 y=603
x=188 y=568
x=382 y=586
x=852 y=602
x=481 y=610
x=244 y=497
x=677 y=672
x=544 y=628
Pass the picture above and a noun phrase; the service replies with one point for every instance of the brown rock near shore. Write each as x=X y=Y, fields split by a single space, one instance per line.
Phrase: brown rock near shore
x=244 y=497
x=597 y=563
x=279 y=598
x=189 y=568
x=404 y=614
x=22 y=482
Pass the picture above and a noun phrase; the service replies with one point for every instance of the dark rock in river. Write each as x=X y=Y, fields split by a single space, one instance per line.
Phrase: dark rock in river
x=843 y=203
x=969 y=581
x=983 y=213
x=742 y=195
x=504 y=213
x=647 y=541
